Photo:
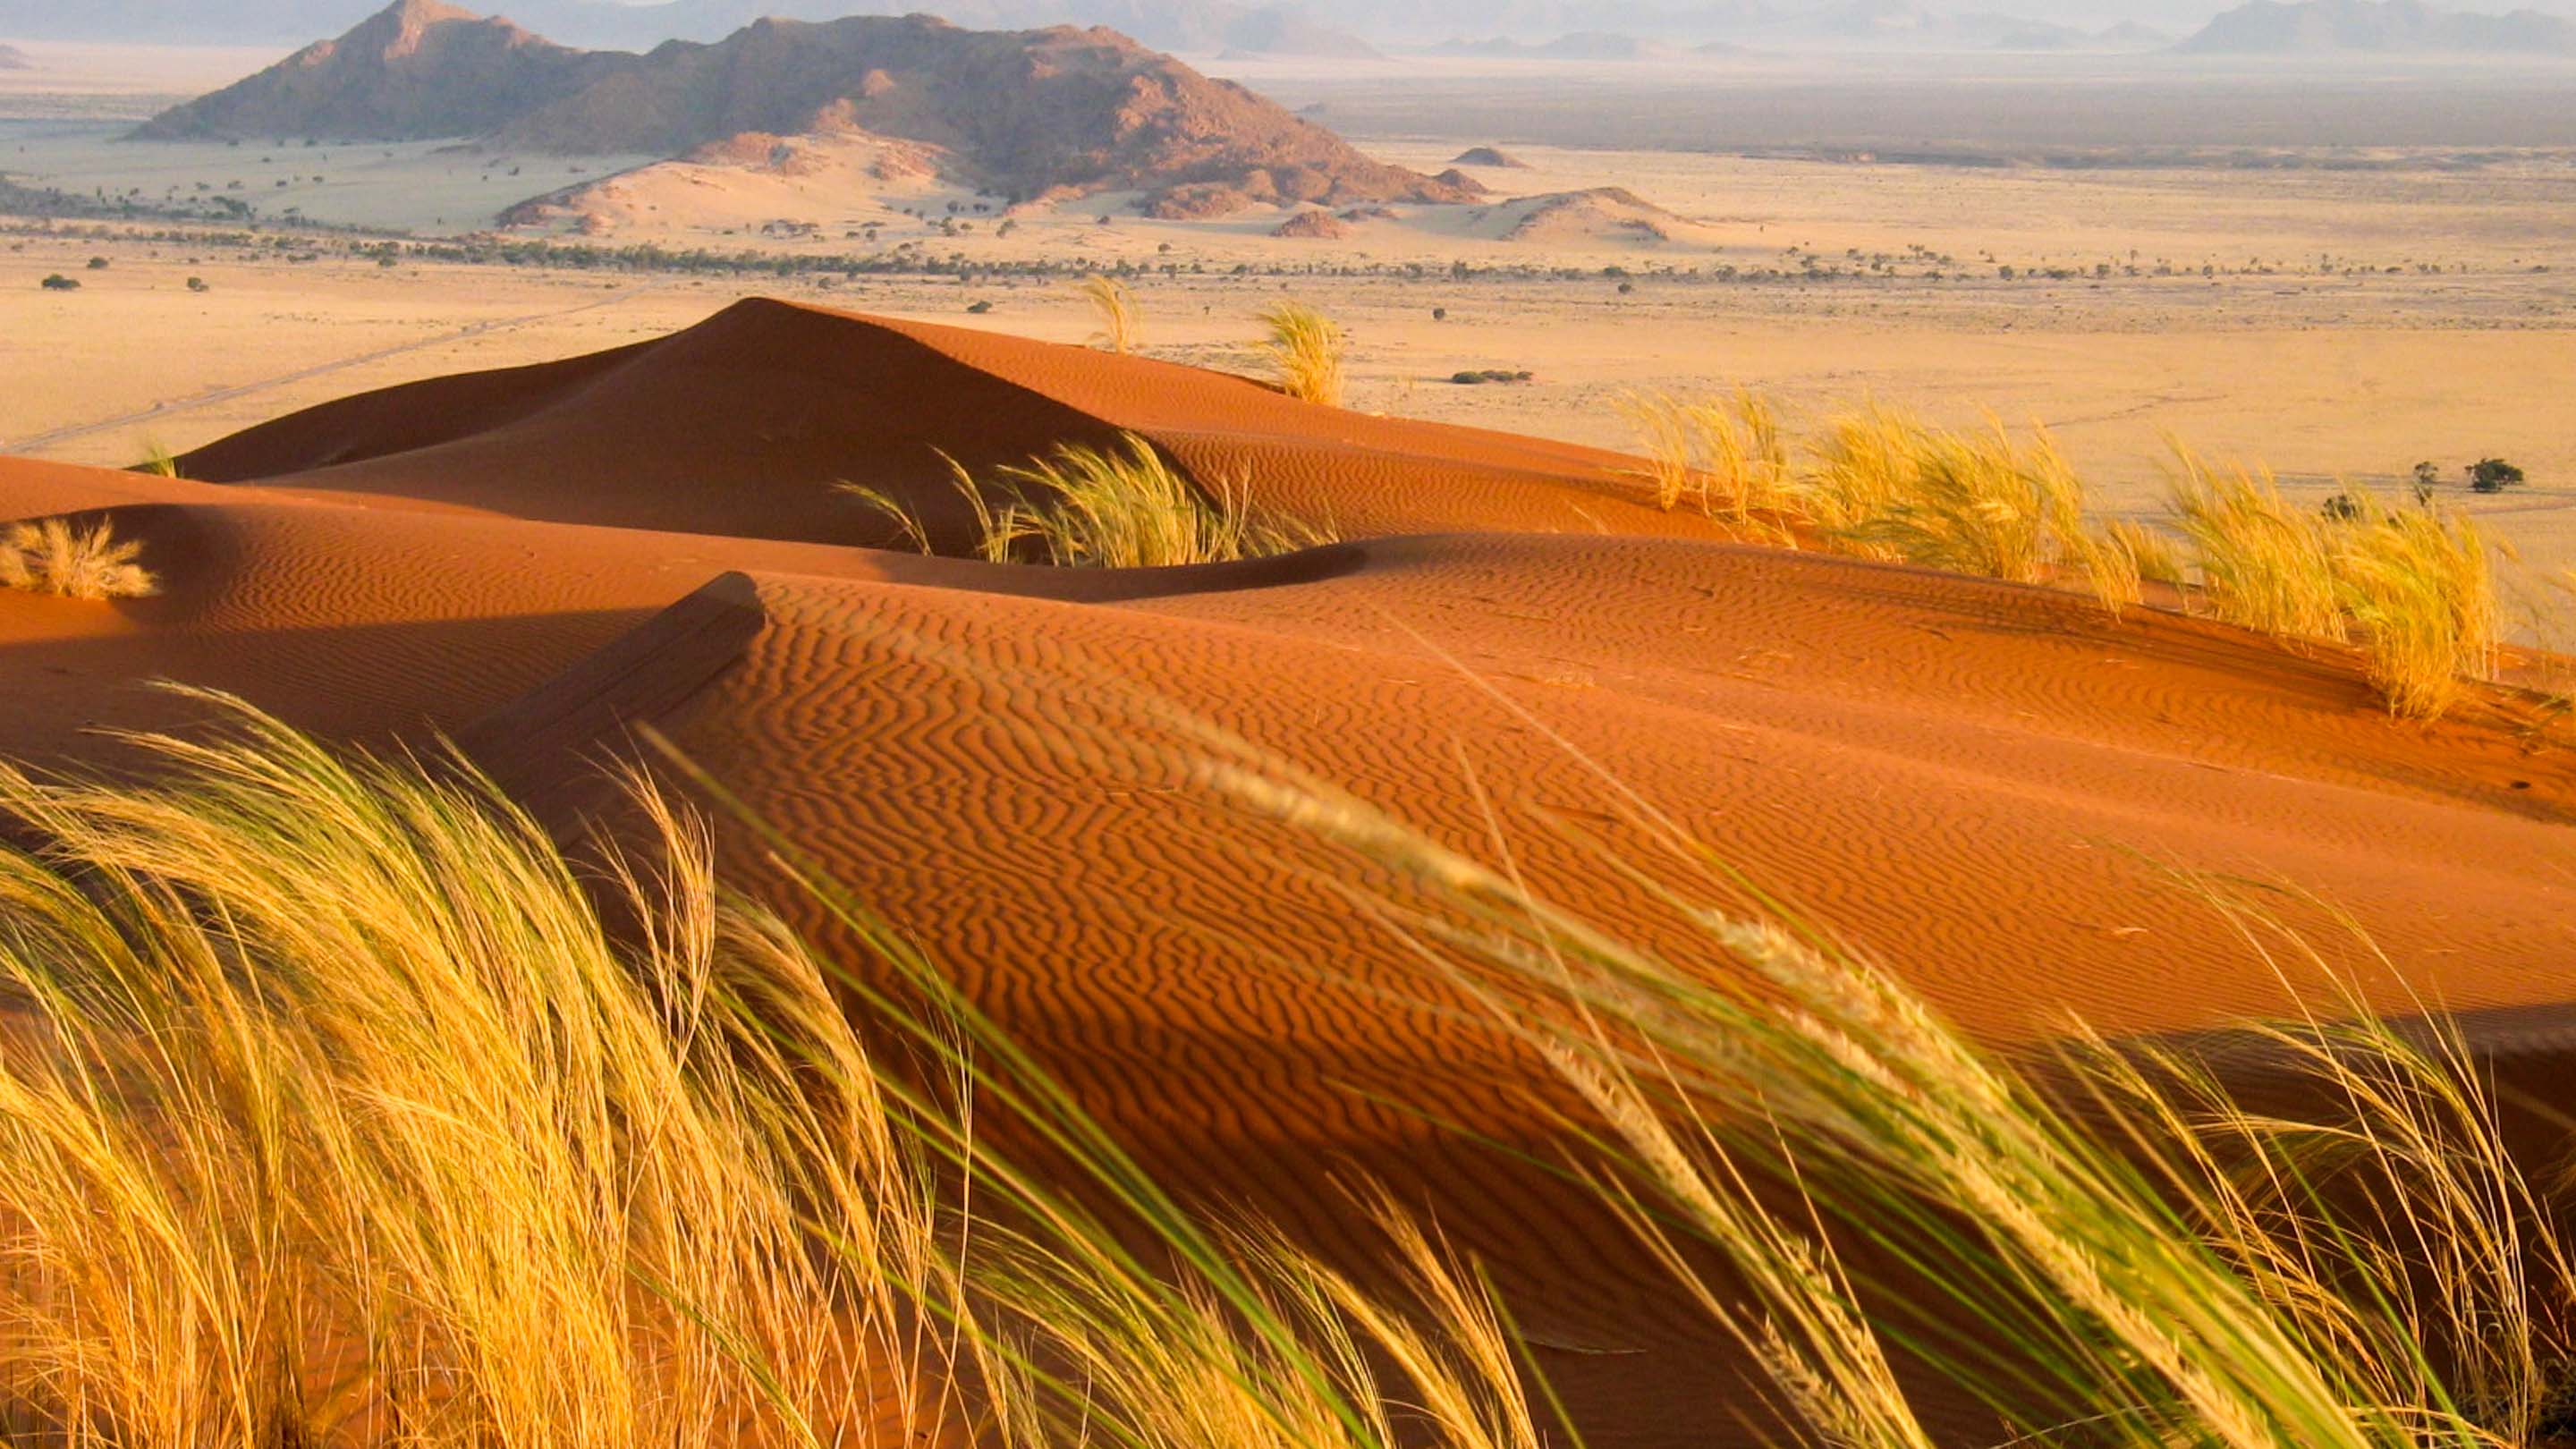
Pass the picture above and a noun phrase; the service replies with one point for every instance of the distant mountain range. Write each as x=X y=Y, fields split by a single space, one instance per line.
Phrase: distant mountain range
x=1020 y=114
x=12 y=58
x=1353 y=27
x=2312 y=27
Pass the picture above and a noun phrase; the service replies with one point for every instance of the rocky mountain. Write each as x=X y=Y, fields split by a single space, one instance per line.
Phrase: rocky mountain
x=417 y=68
x=2314 y=27
x=1022 y=114
x=12 y=58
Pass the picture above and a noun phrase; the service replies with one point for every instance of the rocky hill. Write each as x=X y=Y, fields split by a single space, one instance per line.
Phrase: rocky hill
x=1021 y=114
x=417 y=68
x=14 y=59
x=2313 y=27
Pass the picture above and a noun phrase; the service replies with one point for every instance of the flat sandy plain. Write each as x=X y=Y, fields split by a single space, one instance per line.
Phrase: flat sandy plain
x=2380 y=291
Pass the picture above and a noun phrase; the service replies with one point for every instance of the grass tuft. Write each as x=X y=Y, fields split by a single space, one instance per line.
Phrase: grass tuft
x=1113 y=302
x=1305 y=349
x=1124 y=506
x=52 y=556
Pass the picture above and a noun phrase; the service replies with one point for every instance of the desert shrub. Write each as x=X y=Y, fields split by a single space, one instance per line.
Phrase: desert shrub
x=52 y=556
x=158 y=461
x=98 y=264
x=1114 y=304
x=979 y=307
x=2493 y=475
x=1123 y=506
x=1469 y=377
x=198 y=284
x=1305 y=350
x=59 y=283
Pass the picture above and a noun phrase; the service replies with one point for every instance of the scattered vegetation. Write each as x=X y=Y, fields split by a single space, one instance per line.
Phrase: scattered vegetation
x=1469 y=377
x=1305 y=350
x=57 y=282
x=1124 y=506
x=1114 y=304
x=55 y=556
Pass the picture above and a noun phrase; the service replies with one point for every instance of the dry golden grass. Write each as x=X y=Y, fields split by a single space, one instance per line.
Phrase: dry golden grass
x=1123 y=506
x=332 y=1111
x=1726 y=451
x=1305 y=350
x=1113 y=302
x=2414 y=586
x=2165 y=1266
x=54 y=556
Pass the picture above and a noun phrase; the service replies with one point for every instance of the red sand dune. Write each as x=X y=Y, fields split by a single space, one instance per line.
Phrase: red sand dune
x=1982 y=784
x=744 y=423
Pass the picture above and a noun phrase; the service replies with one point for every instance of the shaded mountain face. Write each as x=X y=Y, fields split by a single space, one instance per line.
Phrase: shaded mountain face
x=418 y=68
x=1021 y=113
x=2310 y=27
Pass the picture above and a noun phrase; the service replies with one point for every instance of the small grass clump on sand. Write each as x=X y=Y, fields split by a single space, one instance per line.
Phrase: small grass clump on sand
x=1113 y=302
x=158 y=461
x=55 y=556
x=1124 y=506
x=1305 y=349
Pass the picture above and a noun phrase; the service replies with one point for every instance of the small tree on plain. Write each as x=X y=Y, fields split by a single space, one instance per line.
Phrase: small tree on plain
x=2428 y=477
x=2493 y=475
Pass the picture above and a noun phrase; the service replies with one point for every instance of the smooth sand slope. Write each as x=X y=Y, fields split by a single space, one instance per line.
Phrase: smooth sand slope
x=1985 y=785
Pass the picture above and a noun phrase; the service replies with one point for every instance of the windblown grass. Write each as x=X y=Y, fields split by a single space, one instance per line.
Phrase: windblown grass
x=1305 y=350
x=53 y=556
x=2414 y=587
x=1727 y=451
x=2416 y=584
x=334 y=1110
x=158 y=461
x=2420 y=585
x=2120 y=1252
x=331 y=1111
x=2264 y=563
x=1124 y=506
x=1113 y=302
